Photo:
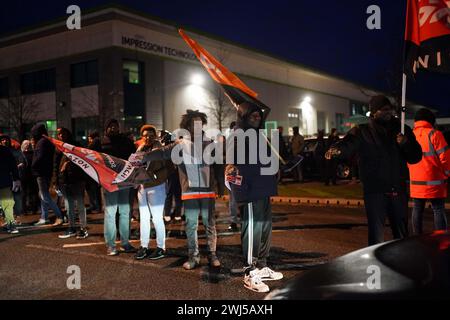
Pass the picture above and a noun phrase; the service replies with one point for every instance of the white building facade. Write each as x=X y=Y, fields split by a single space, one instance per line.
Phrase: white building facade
x=138 y=70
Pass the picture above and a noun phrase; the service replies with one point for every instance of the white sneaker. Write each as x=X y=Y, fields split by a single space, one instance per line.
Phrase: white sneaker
x=253 y=282
x=167 y=218
x=41 y=222
x=268 y=274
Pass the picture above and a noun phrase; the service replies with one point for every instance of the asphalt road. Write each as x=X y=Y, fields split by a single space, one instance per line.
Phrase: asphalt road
x=34 y=263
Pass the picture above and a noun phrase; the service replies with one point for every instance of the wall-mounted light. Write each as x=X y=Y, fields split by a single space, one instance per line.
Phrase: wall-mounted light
x=197 y=79
x=307 y=99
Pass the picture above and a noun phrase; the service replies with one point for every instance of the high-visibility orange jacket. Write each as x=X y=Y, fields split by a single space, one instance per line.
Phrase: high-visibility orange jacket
x=428 y=178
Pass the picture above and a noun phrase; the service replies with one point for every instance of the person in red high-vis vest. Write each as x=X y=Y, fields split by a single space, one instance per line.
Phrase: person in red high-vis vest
x=428 y=178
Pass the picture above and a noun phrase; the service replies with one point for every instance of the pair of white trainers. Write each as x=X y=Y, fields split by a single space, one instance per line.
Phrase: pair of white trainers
x=254 y=280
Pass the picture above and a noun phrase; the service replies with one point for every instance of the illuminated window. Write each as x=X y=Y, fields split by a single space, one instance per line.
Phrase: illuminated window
x=131 y=71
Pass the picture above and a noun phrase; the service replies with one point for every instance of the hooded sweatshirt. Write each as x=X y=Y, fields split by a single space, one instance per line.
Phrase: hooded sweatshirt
x=254 y=186
x=8 y=168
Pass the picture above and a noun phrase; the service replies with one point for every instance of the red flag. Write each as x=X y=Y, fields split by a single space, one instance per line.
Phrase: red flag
x=236 y=90
x=110 y=172
x=427 y=36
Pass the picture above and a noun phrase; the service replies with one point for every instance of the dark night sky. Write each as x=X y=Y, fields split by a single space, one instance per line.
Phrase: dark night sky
x=327 y=35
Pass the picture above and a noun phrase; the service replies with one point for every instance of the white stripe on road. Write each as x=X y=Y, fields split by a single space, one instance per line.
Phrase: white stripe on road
x=89 y=244
x=93 y=255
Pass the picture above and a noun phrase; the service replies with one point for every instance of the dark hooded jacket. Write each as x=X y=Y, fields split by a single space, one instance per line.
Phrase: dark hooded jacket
x=382 y=161
x=118 y=145
x=254 y=186
x=8 y=168
x=42 y=164
x=67 y=172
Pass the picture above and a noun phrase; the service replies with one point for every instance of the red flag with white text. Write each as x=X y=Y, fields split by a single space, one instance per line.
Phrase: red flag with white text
x=427 y=36
x=110 y=172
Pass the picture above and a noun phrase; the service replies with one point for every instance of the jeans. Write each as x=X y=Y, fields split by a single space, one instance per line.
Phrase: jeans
x=192 y=209
x=46 y=199
x=438 y=206
x=118 y=200
x=93 y=191
x=18 y=203
x=75 y=193
x=377 y=206
x=151 y=204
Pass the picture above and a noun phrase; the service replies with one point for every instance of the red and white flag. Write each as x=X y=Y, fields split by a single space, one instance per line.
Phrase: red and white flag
x=427 y=36
x=110 y=172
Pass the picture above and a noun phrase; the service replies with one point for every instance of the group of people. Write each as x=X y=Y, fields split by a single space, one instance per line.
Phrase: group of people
x=384 y=154
x=391 y=161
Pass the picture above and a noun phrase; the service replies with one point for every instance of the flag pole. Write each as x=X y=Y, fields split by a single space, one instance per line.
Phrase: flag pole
x=403 y=111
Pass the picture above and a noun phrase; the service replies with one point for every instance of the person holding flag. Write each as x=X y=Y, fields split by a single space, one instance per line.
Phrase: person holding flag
x=152 y=196
x=384 y=154
x=197 y=183
x=120 y=146
x=249 y=187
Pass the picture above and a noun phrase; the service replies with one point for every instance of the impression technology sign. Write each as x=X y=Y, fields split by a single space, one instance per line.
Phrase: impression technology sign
x=157 y=48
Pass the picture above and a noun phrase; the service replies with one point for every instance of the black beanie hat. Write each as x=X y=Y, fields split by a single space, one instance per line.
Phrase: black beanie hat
x=378 y=102
x=110 y=122
x=425 y=114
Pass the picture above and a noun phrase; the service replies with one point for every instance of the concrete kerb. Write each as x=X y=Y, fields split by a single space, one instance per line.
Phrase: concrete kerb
x=322 y=202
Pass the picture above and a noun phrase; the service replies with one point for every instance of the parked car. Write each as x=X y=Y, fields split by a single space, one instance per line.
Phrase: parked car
x=311 y=167
x=411 y=268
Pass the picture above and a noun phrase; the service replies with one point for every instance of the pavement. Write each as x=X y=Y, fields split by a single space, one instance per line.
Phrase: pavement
x=346 y=193
x=35 y=264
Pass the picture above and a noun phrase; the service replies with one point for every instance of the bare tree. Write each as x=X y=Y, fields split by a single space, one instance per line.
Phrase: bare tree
x=86 y=105
x=16 y=112
x=218 y=105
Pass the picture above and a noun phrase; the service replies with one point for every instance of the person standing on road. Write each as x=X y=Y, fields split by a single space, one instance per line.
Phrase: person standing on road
x=151 y=197
x=252 y=191
x=297 y=142
x=331 y=164
x=21 y=166
x=42 y=169
x=197 y=184
x=428 y=178
x=92 y=187
x=120 y=146
x=9 y=182
x=70 y=180
x=384 y=153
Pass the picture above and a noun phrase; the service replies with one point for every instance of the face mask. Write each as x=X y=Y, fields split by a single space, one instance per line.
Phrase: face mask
x=384 y=116
x=254 y=121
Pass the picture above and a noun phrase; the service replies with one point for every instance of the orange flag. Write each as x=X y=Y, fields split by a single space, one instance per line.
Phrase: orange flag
x=236 y=90
x=217 y=71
